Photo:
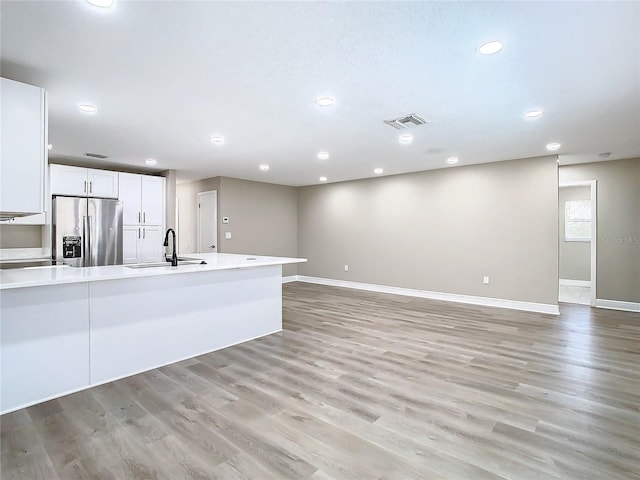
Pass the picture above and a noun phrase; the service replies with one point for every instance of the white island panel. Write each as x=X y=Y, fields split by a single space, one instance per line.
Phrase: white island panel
x=44 y=343
x=141 y=323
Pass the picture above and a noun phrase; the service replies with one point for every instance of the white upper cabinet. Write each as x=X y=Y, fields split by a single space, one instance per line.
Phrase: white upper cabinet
x=152 y=199
x=142 y=199
x=23 y=149
x=102 y=183
x=131 y=196
x=67 y=180
x=83 y=182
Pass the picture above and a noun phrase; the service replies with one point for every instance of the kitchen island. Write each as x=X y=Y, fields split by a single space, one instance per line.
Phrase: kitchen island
x=63 y=329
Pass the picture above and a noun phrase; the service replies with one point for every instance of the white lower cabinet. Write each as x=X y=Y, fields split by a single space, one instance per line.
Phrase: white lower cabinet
x=150 y=248
x=130 y=244
x=142 y=244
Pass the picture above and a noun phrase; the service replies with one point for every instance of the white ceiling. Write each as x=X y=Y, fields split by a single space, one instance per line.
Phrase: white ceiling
x=166 y=76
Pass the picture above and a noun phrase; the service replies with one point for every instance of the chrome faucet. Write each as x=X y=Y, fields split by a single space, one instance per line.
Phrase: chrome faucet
x=174 y=255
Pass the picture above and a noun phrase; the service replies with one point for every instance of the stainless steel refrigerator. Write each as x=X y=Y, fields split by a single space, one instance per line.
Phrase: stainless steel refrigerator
x=87 y=232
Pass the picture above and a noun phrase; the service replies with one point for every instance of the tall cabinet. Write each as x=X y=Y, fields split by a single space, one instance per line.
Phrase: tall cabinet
x=143 y=211
x=23 y=148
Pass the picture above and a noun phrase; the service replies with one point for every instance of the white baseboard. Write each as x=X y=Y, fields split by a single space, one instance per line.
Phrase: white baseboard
x=565 y=282
x=448 y=297
x=618 y=305
x=290 y=278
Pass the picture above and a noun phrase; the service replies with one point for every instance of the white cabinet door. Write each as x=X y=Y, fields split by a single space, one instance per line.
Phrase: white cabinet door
x=129 y=194
x=83 y=182
x=102 y=183
x=150 y=248
x=131 y=237
x=22 y=147
x=67 y=180
x=152 y=189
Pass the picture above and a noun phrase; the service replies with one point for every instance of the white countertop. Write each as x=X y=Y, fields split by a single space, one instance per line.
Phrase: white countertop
x=22 y=254
x=56 y=275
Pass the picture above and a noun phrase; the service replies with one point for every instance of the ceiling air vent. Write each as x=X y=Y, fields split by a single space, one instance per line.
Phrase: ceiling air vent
x=96 y=155
x=406 y=121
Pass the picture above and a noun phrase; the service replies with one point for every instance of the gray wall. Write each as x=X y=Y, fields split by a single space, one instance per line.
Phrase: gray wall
x=20 y=236
x=439 y=230
x=575 y=257
x=618 y=247
x=263 y=217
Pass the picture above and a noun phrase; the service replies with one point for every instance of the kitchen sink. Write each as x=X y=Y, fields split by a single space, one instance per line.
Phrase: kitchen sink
x=181 y=261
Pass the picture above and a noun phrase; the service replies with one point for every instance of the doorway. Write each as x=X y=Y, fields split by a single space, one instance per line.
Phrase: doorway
x=577 y=242
x=207 y=222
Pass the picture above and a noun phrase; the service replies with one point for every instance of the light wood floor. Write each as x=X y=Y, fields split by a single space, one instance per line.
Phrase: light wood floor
x=362 y=385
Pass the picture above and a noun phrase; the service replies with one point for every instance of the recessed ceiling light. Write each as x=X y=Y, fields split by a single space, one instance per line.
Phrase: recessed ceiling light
x=323 y=155
x=552 y=147
x=533 y=114
x=49 y=146
x=151 y=162
x=101 y=3
x=490 y=48
x=323 y=179
x=217 y=139
x=264 y=167
x=325 y=101
x=405 y=138
x=378 y=171
x=452 y=160
x=87 y=108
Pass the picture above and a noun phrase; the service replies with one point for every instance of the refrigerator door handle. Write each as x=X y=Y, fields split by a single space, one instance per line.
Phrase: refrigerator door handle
x=86 y=248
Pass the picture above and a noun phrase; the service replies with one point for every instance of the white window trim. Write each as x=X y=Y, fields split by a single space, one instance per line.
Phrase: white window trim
x=571 y=238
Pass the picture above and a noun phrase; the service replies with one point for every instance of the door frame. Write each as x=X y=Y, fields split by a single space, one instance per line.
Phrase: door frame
x=593 y=185
x=198 y=196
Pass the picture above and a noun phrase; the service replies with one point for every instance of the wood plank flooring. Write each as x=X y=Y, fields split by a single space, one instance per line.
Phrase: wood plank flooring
x=361 y=385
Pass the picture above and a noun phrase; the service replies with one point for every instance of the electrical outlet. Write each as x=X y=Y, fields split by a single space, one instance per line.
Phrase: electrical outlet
x=346 y=268
x=485 y=279
x=227 y=235
x=225 y=219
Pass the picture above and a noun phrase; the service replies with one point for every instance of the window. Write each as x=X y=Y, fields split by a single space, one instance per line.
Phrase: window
x=577 y=221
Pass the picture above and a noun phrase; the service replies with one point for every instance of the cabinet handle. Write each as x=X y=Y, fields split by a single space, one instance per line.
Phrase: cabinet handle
x=139 y=221
x=139 y=233
x=90 y=187
x=144 y=233
x=85 y=187
x=144 y=217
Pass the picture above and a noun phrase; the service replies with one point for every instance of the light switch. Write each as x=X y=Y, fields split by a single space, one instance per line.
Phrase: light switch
x=227 y=235
x=225 y=219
